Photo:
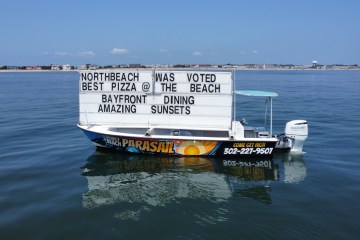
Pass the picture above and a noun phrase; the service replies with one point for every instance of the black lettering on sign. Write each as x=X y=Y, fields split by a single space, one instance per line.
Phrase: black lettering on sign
x=123 y=87
x=170 y=109
x=120 y=98
x=133 y=77
x=121 y=77
x=92 y=86
x=168 y=87
x=179 y=100
x=205 y=88
x=164 y=77
x=109 y=76
x=83 y=76
x=116 y=108
x=202 y=77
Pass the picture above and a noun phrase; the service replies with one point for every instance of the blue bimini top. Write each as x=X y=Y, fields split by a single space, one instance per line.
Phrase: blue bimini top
x=256 y=93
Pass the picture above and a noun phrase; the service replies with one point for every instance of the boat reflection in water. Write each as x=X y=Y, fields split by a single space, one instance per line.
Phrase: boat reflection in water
x=156 y=181
x=294 y=169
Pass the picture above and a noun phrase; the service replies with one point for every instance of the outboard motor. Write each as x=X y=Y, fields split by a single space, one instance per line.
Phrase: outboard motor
x=296 y=131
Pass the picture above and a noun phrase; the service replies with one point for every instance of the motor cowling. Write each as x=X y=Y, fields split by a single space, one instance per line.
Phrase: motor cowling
x=297 y=132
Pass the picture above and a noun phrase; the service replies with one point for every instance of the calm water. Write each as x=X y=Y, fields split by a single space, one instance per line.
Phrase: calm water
x=55 y=185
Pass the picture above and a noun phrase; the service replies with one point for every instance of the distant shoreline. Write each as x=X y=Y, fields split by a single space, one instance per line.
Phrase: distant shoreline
x=174 y=69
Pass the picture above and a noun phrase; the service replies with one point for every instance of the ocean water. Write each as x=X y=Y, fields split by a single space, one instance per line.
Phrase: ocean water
x=54 y=184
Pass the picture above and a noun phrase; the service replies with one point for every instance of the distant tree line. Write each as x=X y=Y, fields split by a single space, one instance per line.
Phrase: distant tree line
x=23 y=67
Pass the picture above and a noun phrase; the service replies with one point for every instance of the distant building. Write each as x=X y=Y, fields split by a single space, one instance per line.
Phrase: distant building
x=314 y=64
x=55 y=67
x=12 y=67
x=82 y=67
x=93 y=67
x=268 y=66
x=33 y=68
x=135 y=65
x=66 y=67
x=205 y=66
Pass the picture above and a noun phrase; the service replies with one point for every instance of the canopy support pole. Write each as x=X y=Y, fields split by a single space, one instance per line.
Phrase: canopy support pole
x=234 y=95
x=270 y=116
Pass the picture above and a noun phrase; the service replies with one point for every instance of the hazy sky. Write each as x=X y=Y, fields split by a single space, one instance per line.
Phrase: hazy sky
x=42 y=32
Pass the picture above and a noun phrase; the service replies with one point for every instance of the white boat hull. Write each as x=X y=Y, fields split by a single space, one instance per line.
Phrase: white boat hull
x=179 y=145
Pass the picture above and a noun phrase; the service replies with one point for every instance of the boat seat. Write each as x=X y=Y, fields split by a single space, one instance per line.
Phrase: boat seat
x=263 y=134
x=249 y=133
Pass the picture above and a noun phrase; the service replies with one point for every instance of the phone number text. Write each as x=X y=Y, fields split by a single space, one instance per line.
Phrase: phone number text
x=248 y=151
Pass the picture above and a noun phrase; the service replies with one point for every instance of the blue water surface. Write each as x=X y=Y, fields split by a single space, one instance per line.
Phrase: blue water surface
x=55 y=185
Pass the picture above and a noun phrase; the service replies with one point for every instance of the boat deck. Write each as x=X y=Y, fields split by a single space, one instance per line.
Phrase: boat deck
x=250 y=133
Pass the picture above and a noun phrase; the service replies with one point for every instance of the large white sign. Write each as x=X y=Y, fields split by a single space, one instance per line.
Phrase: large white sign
x=176 y=99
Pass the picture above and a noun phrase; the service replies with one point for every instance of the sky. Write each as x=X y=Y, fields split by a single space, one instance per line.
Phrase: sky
x=113 y=32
